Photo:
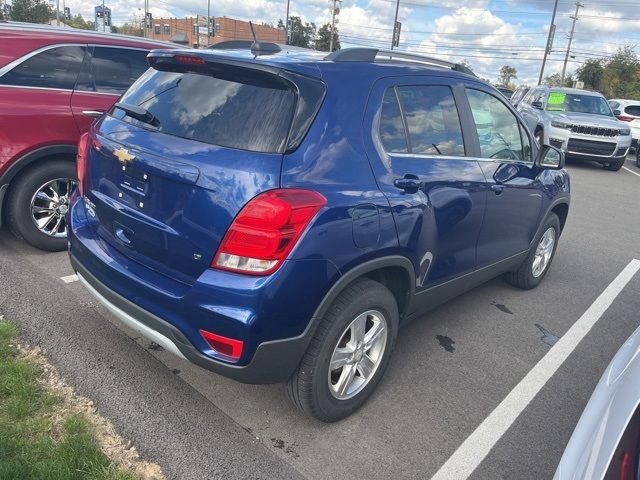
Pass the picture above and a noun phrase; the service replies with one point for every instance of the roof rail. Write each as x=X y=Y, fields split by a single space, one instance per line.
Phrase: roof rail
x=363 y=54
x=257 y=48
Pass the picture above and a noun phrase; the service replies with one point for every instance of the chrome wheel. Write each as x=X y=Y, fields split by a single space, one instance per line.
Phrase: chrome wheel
x=358 y=354
x=50 y=204
x=543 y=252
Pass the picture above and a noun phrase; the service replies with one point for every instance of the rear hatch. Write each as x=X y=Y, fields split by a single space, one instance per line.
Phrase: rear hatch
x=186 y=147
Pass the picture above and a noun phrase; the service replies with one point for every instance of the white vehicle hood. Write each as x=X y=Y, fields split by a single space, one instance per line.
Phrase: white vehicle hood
x=605 y=418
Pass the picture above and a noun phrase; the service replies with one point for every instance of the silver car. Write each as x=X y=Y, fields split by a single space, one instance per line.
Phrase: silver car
x=579 y=122
x=605 y=443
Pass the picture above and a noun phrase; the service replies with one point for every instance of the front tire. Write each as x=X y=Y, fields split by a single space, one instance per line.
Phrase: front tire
x=614 y=166
x=38 y=202
x=348 y=353
x=638 y=156
x=536 y=265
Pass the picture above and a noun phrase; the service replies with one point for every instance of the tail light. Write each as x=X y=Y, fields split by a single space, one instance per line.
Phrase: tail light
x=82 y=161
x=266 y=229
x=228 y=347
x=624 y=118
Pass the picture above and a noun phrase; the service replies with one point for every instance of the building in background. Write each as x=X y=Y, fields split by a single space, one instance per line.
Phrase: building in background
x=222 y=28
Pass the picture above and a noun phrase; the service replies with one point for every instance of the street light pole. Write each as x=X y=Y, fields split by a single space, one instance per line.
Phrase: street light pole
x=286 y=25
x=549 y=40
x=208 y=22
x=395 y=23
x=333 y=25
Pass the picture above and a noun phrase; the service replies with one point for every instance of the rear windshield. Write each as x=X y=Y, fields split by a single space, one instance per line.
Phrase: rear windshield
x=248 y=110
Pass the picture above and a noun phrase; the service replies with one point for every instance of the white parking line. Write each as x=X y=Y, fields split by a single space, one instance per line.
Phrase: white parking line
x=69 y=278
x=476 y=447
x=631 y=171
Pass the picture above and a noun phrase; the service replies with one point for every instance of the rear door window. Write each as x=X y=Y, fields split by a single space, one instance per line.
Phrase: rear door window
x=633 y=110
x=56 y=67
x=232 y=107
x=432 y=120
x=112 y=70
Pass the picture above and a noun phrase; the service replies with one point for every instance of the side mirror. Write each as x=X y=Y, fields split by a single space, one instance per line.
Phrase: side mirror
x=550 y=158
x=617 y=113
x=537 y=104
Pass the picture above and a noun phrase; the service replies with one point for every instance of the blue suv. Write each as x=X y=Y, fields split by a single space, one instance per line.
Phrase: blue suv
x=275 y=214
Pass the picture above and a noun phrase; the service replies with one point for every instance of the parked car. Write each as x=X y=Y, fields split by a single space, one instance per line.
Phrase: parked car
x=506 y=91
x=53 y=83
x=518 y=95
x=292 y=250
x=579 y=122
x=606 y=441
x=628 y=111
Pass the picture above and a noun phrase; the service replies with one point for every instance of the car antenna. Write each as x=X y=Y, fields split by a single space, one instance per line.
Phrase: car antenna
x=262 y=48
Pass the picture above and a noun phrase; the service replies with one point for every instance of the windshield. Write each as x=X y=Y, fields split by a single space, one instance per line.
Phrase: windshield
x=575 y=102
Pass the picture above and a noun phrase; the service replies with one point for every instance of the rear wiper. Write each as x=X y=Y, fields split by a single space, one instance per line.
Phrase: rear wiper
x=139 y=113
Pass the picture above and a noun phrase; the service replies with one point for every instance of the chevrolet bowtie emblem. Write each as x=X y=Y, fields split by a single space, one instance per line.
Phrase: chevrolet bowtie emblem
x=123 y=155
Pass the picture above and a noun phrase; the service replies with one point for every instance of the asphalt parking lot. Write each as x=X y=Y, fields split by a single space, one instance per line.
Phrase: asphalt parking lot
x=450 y=370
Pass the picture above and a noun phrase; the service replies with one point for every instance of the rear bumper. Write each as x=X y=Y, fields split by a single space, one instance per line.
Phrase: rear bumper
x=273 y=361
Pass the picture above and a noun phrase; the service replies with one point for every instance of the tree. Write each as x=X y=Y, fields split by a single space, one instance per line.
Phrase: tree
x=324 y=38
x=133 y=28
x=32 y=11
x=555 y=80
x=79 y=22
x=591 y=72
x=507 y=73
x=301 y=35
x=620 y=71
x=280 y=24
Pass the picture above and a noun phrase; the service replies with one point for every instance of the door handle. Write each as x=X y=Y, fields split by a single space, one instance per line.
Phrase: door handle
x=410 y=184
x=92 y=113
x=497 y=189
x=123 y=236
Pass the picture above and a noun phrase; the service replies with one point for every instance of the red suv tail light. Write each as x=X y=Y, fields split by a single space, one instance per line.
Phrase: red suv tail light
x=266 y=229
x=82 y=161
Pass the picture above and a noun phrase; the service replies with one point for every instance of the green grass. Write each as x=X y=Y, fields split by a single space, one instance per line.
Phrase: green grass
x=38 y=440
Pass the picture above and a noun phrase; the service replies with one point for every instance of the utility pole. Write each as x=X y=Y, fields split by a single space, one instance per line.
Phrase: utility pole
x=573 y=29
x=286 y=25
x=58 y=13
x=103 y=25
x=552 y=29
x=208 y=22
x=333 y=23
x=395 y=25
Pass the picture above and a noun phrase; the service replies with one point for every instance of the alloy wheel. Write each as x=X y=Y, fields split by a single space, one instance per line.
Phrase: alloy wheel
x=543 y=252
x=358 y=354
x=49 y=206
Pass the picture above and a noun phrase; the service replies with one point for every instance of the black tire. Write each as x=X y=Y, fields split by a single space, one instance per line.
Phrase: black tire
x=638 y=156
x=308 y=388
x=21 y=192
x=614 y=166
x=523 y=277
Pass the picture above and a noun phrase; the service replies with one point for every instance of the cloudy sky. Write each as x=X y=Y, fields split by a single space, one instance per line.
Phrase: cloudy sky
x=486 y=33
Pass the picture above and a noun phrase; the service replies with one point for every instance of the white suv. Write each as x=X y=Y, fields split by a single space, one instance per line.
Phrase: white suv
x=579 y=122
x=628 y=111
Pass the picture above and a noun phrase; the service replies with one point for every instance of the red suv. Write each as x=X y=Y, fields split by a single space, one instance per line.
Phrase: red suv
x=53 y=83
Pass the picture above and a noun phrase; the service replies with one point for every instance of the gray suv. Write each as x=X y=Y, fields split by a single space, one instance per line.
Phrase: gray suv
x=578 y=122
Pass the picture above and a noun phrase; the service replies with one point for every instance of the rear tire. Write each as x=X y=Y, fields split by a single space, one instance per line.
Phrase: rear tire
x=539 y=136
x=614 y=166
x=526 y=276
x=19 y=205
x=311 y=387
x=638 y=156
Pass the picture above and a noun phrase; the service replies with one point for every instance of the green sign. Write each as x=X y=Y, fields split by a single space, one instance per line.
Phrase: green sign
x=556 y=101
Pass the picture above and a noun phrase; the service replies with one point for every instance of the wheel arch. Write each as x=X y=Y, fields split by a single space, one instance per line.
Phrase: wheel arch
x=30 y=160
x=394 y=272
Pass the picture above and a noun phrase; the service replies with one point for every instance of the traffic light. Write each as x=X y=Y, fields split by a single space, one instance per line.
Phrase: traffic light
x=149 y=20
x=67 y=13
x=107 y=20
